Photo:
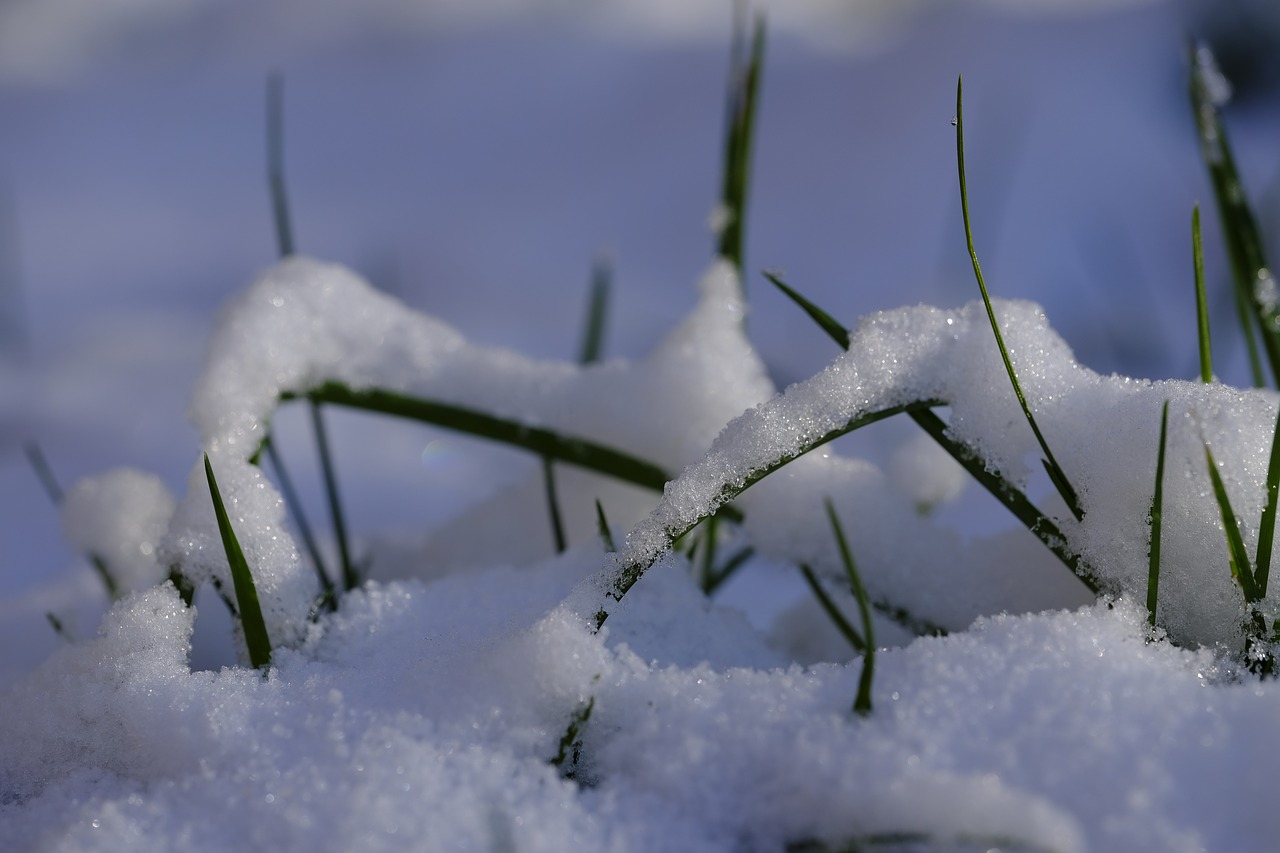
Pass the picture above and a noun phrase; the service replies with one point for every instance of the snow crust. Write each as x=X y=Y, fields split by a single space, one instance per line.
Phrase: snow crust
x=425 y=713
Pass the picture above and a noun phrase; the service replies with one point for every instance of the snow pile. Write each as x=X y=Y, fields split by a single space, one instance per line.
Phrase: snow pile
x=473 y=705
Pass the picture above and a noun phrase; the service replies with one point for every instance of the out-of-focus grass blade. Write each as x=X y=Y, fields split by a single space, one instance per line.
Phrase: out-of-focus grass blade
x=255 y=627
x=1056 y=474
x=862 y=703
x=742 y=104
x=553 y=505
x=1267 y=525
x=602 y=525
x=838 y=619
x=731 y=565
x=825 y=321
x=275 y=164
x=1240 y=568
x=597 y=311
x=44 y=473
x=1157 y=521
x=1202 y=302
x=1255 y=285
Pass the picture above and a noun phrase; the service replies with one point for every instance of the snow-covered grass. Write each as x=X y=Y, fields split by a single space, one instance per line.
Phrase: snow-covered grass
x=486 y=689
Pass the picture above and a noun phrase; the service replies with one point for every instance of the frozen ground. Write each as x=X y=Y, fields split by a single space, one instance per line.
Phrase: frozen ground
x=472 y=170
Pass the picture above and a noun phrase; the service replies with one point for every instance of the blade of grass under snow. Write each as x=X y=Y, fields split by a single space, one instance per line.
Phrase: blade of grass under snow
x=1202 y=302
x=1056 y=474
x=1241 y=571
x=1014 y=500
x=742 y=104
x=1255 y=286
x=251 y=621
x=1157 y=521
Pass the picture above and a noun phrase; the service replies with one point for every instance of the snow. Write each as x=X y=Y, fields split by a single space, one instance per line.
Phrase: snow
x=429 y=710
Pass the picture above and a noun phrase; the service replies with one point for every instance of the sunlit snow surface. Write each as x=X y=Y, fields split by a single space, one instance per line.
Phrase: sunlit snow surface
x=424 y=713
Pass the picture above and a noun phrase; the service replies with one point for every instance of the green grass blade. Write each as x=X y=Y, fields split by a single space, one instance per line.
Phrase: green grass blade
x=825 y=321
x=291 y=501
x=1240 y=568
x=602 y=525
x=553 y=506
x=597 y=311
x=743 y=102
x=837 y=618
x=350 y=578
x=1254 y=284
x=255 y=627
x=275 y=164
x=1059 y=478
x=862 y=703
x=1157 y=521
x=58 y=628
x=1267 y=526
x=1202 y=301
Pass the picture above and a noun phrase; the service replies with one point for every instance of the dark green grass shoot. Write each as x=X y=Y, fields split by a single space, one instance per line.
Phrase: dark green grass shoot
x=250 y=611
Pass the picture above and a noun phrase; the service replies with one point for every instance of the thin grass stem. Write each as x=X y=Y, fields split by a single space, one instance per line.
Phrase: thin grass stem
x=1056 y=474
x=350 y=578
x=731 y=565
x=862 y=703
x=329 y=598
x=825 y=321
x=250 y=611
x=1157 y=521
